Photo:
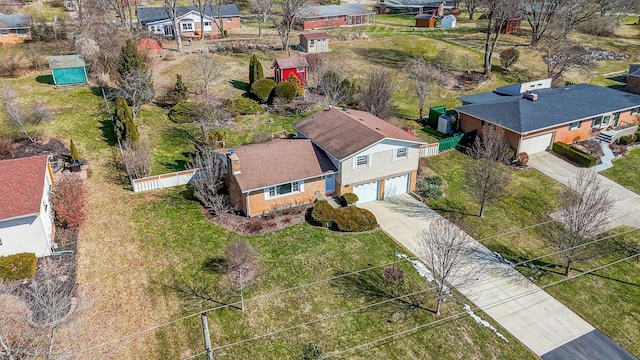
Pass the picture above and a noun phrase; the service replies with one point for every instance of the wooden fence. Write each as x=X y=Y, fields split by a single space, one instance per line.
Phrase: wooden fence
x=163 y=181
x=429 y=150
x=441 y=146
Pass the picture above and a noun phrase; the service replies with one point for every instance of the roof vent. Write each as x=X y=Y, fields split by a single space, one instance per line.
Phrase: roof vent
x=377 y=128
x=232 y=151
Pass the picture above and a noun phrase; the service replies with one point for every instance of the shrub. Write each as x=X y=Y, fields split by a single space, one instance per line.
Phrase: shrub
x=183 y=112
x=522 y=159
x=255 y=225
x=626 y=140
x=243 y=106
x=262 y=89
x=393 y=274
x=296 y=82
x=177 y=93
x=429 y=191
x=18 y=266
x=348 y=199
x=435 y=180
x=573 y=154
x=638 y=135
x=255 y=70
x=74 y=151
x=287 y=219
x=323 y=212
x=6 y=147
x=68 y=200
x=509 y=57
x=285 y=90
x=351 y=219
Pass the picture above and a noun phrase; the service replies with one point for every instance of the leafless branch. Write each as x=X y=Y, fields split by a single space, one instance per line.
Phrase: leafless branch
x=137 y=159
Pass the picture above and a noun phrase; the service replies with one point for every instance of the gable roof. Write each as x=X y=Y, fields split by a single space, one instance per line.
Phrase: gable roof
x=154 y=14
x=22 y=182
x=291 y=62
x=345 y=132
x=66 y=61
x=552 y=108
x=279 y=161
x=333 y=10
x=318 y=35
x=15 y=21
x=633 y=68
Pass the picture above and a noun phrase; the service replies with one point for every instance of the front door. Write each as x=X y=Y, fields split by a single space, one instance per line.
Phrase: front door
x=616 y=118
x=168 y=30
x=330 y=184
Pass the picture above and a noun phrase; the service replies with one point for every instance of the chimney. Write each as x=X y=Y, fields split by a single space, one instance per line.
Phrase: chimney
x=233 y=162
x=530 y=96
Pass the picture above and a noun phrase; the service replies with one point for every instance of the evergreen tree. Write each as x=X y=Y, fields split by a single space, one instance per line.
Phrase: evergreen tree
x=131 y=135
x=122 y=112
x=255 y=70
x=179 y=92
x=296 y=82
x=130 y=58
x=74 y=151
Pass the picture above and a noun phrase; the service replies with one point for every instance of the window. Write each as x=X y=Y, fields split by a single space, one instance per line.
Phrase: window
x=207 y=23
x=4 y=32
x=601 y=121
x=187 y=26
x=22 y=32
x=300 y=69
x=362 y=160
x=152 y=28
x=401 y=153
x=636 y=110
x=229 y=19
x=312 y=43
x=284 y=189
x=575 y=125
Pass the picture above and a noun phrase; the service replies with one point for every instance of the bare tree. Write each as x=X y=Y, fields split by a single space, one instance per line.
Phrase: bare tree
x=121 y=8
x=240 y=265
x=137 y=159
x=540 y=14
x=423 y=77
x=447 y=251
x=201 y=5
x=335 y=87
x=262 y=8
x=171 y=7
x=18 y=340
x=585 y=213
x=209 y=179
x=289 y=10
x=35 y=57
x=572 y=13
x=136 y=86
x=471 y=6
x=216 y=9
x=11 y=63
x=376 y=95
x=561 y=55
x=207 y=70
x=210 y=116
x=491 y=144
x=27 y=119
x=497 y=13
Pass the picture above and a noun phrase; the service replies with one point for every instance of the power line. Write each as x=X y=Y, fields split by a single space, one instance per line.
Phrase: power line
x=477 y=308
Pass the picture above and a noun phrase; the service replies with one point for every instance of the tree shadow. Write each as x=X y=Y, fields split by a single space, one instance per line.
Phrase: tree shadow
x=214 y=265
x=198 y=289
x=445 y=205
x=176 y=165
x=45 y=79
x=241 y=85
x=108 y=133
x=617 y=87
x=619 y=78
x=385 y=57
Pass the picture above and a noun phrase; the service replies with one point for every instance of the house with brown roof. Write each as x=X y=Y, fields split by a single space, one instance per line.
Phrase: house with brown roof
x=26 y=216
x=296 y=65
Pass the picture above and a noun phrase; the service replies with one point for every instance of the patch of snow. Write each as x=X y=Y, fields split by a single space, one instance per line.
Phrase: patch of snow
x=502 y=259
x=483 y=322
x=421 y=269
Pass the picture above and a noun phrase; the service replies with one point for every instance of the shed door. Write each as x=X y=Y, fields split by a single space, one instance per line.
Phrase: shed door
x=70 y=76
x=366 y=192
x=396 y=185
x=536 y=144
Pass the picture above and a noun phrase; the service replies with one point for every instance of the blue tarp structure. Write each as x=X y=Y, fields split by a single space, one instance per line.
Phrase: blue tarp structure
x=68 y=69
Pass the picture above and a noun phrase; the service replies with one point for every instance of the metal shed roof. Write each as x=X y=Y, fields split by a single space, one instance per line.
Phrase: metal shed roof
x=334 y=10
x=16 y=21
x=66 y=61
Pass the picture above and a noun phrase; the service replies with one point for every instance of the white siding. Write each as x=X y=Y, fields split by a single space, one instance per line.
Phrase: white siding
x=24 y=234
x=383 y=163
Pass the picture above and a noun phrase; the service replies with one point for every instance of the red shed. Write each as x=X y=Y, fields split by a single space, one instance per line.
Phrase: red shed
x=284 y=67
x=512 y=25
x=150 y=48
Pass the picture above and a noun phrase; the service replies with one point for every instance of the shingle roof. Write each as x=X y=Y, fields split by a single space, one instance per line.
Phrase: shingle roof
x=291 y=62
x=334 y=10
x=344 y=132
x=633 y=68
x=15 y=21
x=66 y=61
x=318 y=35
x=553 y=107
x=21 y=185
x=279 y=161
x=153 y=14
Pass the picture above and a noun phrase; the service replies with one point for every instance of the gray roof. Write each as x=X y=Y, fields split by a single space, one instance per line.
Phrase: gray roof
x=16 y=21
x=633 y=68
x=483 y=97
x=66 y=61
x=417 y=3
x=334 y=10
x=153 y=14
x=554 y=107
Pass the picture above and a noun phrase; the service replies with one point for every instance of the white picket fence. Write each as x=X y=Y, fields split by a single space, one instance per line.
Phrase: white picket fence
x=430 y=150
x=163 y=181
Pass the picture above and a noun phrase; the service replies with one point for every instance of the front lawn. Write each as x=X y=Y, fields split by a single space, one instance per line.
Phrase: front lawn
x=607 y=299
x=626 y=171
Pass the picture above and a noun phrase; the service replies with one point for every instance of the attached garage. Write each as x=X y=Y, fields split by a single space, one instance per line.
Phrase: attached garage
x=366 y=192
x=536 y=144
x=396 y=185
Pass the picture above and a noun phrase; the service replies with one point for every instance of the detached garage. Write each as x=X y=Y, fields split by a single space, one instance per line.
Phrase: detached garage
x=537 y=144
x=68 y=69
x=367 y=192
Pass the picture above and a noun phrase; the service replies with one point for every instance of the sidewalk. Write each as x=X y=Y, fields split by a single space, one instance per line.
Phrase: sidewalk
x=534 y=317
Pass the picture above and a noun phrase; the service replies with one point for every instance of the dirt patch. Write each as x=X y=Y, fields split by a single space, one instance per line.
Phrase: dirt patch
x=591 y=147
x=51 y=146
x=260 y=225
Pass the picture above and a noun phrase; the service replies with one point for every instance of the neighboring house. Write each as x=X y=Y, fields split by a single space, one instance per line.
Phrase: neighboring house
x=438 y=8
x=26 y=216
x=534 y=116
x=633 y=79
x=68 y=69
x=156 y=20
x=284 y=67
x=15 y=29
x=425 y=20
x=448 y=22
x=150 y=48
x=315 y=42
x=276 y=173
x=374 y=158
x=330 y=16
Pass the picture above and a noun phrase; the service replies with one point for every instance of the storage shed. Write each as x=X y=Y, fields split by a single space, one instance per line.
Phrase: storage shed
x=150 y=48
x=315 y=42
x=68 y=69
x=425 y=21
x=448 y=22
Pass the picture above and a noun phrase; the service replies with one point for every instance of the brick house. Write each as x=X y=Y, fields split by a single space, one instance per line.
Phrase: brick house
x=156 y=20
x=534 y=116
x=26 y=216
x=15 y=28
x=296 y=65
x=330 y=16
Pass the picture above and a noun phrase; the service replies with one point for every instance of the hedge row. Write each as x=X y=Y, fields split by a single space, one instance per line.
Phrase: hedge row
x=18 y=266
x=575 y=155
x=347 y=219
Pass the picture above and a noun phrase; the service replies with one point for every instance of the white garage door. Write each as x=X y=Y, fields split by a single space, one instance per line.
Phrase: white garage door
x=396 y=185
x=536 y=144
x=366 y=192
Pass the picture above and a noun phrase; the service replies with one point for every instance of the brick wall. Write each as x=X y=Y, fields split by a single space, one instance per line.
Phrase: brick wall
x=258 y=203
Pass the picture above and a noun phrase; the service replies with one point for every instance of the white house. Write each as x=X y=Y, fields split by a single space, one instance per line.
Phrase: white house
x=448 y=22
x=26 y=216
x=156 y=20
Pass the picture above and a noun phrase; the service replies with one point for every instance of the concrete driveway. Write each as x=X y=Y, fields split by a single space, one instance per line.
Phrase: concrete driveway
x=626 y=204
x=531 y=315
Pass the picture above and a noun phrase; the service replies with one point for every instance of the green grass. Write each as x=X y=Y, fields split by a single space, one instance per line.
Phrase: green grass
x=608 y=299
x=396 y=19
x=626 y=171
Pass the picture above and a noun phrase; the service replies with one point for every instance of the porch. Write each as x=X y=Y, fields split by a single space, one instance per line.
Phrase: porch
x=614 y=133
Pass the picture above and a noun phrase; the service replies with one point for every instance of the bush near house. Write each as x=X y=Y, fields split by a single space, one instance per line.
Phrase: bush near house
x=348 y=199
x=243 y=106
x=626 y=140
x=285 y=90
x=18 y=266
x=261 y=89
x=573 y=154
x=322 y=212
x=346 y=219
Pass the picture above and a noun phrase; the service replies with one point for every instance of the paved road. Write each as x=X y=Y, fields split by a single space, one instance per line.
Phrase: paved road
x=591 y=346
x=627 y=203
x=531 y=315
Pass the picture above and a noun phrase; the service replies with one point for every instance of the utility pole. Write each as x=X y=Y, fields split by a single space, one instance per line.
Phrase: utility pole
x=207 y=338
